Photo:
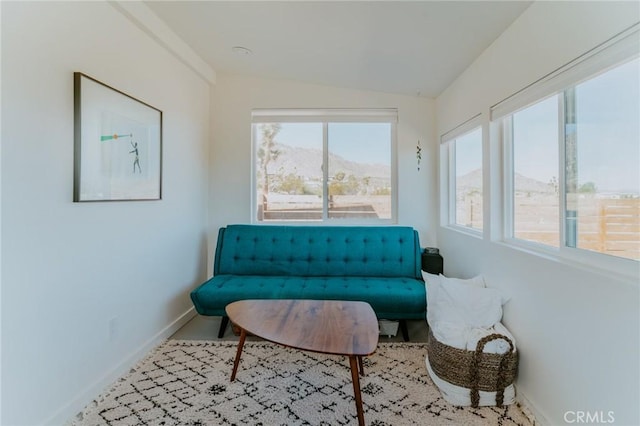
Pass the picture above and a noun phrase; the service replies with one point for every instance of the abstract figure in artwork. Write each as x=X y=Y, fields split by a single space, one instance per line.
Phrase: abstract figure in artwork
x=134 y=145
x=136 y=161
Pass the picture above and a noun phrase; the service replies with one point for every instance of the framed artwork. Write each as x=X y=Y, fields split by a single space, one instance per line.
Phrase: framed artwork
x=118 y=144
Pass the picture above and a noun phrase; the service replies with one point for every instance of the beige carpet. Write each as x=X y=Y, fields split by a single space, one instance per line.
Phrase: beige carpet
x=187 y=383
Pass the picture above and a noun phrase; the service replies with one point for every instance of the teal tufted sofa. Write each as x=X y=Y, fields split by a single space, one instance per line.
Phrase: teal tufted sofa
x=376 y=264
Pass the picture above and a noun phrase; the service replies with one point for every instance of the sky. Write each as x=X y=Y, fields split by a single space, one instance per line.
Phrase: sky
x=469 y=152
x=360 y=142
x=535 y=135
x=608 y=132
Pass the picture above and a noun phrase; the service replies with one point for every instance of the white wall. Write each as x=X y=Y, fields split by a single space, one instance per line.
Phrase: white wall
x=89 y=287
x=577 y=329
x=235 y=96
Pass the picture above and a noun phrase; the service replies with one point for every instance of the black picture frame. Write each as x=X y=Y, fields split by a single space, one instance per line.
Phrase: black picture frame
x=117 y=144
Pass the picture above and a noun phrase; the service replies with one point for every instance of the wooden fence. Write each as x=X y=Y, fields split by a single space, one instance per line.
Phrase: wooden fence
x=604 y=225
x=610 y=226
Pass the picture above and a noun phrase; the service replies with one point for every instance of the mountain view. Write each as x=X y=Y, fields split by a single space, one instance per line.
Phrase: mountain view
x=307 y=162
x=473 y=181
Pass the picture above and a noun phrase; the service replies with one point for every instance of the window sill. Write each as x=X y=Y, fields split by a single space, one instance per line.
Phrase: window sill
x=477 y=233
x=624 y=270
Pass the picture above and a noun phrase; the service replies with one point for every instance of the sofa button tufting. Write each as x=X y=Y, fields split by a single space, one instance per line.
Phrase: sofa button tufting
x=271 y=259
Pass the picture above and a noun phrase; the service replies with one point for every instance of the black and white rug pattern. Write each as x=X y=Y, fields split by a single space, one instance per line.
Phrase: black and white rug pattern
x=187 y=383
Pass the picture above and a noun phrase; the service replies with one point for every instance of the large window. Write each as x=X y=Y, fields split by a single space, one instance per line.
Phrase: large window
x=602 y=162
x=573 y=162
x=534 y=179
x=468 y=178
x=328 y=165
x=465 y=177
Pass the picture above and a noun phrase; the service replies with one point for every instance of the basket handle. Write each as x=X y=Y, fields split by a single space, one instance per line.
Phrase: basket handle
x=475 y=374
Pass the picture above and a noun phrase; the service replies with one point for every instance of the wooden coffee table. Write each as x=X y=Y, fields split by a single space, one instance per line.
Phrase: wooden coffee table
x=325 y=326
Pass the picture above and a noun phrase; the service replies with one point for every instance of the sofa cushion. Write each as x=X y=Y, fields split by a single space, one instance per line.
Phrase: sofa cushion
x=390 y=298
x=320 y=251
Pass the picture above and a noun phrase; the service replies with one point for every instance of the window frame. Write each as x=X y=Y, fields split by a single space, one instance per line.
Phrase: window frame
x=505 y=124
x=609 y=55
x=326 y=117
x=448 y=175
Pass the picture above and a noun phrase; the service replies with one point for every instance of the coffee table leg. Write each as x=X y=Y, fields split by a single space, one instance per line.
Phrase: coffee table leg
x=356 y=388
x=361 y=366
x=243 y=335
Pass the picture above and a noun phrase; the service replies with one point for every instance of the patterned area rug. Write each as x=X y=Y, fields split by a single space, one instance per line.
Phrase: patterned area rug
x=187 y=383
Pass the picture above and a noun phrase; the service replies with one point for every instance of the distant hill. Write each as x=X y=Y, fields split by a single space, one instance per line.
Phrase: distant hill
x=473 y=181
x=308 y=162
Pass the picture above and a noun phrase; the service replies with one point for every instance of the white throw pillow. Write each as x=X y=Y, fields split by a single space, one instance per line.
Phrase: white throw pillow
x=465 y=302
x=432 y=284
x=477 y=281
x=476 y=306
x=431 y=280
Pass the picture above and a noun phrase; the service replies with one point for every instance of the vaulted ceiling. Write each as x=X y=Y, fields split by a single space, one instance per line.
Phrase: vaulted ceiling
x=406 y=47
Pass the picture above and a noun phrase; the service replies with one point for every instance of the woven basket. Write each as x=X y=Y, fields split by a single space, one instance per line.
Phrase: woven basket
x=476 y=371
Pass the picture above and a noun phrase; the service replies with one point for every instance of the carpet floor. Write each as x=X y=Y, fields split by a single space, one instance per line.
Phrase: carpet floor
x=187 y=383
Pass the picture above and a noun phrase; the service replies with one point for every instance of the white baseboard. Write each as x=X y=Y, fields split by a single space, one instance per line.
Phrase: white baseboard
x=66 y=414
x=530 y=411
